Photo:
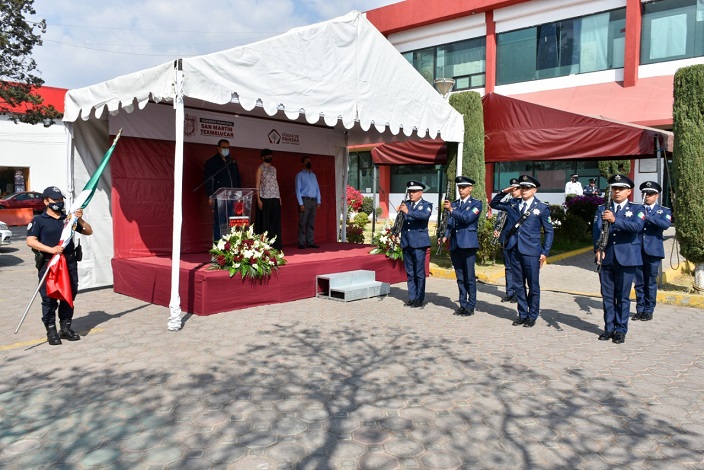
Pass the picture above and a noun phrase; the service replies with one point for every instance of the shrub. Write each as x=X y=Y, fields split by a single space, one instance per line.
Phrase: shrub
x=488 y=251
x=354 y=200
x=367 y=205
x=573 y=228
x=583 y=207
x=378 y=212
x=355 y=234
x=360 y=220
x=557 y=214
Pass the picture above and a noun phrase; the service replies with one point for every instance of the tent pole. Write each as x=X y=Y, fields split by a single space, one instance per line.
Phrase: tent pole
x=460 y=155
x=373 y=199
x=345 y=182
x=175 y=300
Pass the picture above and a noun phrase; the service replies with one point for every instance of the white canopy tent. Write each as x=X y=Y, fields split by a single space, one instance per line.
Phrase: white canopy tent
x=343 y=72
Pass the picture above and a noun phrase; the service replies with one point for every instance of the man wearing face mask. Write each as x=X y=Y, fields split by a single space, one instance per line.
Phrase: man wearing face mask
x=43 y=237
x=221 y=171
x=308 y=196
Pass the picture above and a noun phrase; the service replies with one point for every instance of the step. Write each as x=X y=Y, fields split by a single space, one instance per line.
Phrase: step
x=362 y=290
x=325 y=282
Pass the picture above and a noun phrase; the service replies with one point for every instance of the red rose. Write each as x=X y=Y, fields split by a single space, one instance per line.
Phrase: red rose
x=227 y=246
x=221 y=260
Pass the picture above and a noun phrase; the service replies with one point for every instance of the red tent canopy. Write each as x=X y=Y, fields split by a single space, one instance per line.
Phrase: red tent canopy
x=518 y=130
x=411 y=152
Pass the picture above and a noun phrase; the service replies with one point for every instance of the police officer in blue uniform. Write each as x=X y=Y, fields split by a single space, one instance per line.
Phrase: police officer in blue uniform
x=463 y=218
x=620 y=257
x=508 y=271
x=415 y=241
x=657 y=219
x=43 y=236
x=592 y=189
x=526 y=217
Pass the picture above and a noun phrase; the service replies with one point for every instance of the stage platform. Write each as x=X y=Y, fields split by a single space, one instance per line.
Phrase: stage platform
x=205 y=291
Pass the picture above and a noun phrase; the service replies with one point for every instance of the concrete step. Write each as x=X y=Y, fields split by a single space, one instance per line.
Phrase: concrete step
x=350 y=285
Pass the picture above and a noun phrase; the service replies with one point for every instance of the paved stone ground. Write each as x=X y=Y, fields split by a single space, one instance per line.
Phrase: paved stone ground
x=318 y=384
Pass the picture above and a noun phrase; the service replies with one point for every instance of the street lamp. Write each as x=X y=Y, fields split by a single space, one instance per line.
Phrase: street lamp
x=444 y=85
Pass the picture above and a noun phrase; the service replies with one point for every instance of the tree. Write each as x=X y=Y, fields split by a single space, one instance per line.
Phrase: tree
x=18 y=82
x=609 y=168
x=688 y=120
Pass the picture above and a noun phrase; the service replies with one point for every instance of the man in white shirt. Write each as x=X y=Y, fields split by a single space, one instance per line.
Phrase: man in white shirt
x=573 y=186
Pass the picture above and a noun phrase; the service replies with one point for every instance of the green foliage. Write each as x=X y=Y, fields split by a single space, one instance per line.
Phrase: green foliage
x=367 y=205
x=574 y=228
x=378 y=212
x=688 y=163
x=360 y=220
x=469 y=105
x=557 y=214
x=17 y=79
x=488 y=251
x=355 y=234
x=608 y=168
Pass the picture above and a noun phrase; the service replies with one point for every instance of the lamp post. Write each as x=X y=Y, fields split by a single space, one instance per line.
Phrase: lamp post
x=444 y=86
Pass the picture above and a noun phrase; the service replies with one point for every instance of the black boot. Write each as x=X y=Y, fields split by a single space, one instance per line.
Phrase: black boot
x=67 y=332
x=52 y=336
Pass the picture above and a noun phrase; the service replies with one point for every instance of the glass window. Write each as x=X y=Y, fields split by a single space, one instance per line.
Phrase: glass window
x=429 y=175
x=672 y=30
x=553 y=174
x=562 y=48
x=465 y=61
x=361 y=172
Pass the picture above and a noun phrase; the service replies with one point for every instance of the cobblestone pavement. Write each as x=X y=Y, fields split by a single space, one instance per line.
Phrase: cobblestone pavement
x=318 y=384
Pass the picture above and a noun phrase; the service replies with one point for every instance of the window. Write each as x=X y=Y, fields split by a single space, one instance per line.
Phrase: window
x=429 y=175
x=580 y=45
x=464 y=61
x=553 y=174
x=672 y=30
x=361 y=172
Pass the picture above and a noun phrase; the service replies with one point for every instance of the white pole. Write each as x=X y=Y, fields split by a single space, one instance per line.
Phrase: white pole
x=175 y=301
x=460 y=155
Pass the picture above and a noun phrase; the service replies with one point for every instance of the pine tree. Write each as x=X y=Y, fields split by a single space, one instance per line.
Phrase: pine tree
x=18 y=82
x=688 y=119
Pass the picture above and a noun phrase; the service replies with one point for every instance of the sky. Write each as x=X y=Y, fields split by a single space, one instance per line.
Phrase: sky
x=90 y=41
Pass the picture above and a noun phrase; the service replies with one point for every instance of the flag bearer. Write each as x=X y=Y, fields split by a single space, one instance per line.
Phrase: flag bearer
x=43 y=237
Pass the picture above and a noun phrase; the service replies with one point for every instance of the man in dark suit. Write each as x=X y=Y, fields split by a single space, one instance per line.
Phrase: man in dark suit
x=220 y=171
x=508 y=272
x=620 y=257
x=526 y=216
x=657 y=219
x=463 y=218
x=415 y=241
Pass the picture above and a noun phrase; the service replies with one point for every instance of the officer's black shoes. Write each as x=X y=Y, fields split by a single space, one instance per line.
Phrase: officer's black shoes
x=417 y=304
x=638 y=316
x=67 y=332
x=52 y=336
x=646 y=317
x=410 y=303
x=529 y=324
x=460 y=311
x=606 y=335
x=468 y=312
x=619 y=338
x=509 y=298
x=520 y=321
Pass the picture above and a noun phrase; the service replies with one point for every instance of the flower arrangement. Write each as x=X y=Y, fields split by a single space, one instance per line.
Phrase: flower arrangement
x=242 y=251
x=385 y=245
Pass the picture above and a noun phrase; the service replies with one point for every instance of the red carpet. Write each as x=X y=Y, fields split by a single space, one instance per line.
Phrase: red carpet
x=204 y=291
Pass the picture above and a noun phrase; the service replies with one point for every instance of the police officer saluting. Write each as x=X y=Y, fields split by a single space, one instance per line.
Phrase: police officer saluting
x=620 y=257
x=508 y=271
x=415 y=241
x=657 y=219
x=462 y=231
x=526 y=216
x=43 y=236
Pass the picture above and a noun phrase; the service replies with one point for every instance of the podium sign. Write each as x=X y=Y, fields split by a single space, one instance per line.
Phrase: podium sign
x=234 y=206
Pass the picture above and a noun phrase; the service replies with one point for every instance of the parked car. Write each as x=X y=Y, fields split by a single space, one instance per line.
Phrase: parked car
x=5 y=234
x=23 y=199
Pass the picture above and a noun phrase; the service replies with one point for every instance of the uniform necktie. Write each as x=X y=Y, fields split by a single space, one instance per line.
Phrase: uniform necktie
x=523 y=208
x=618 y=208
x=647 y=209
x=459 y=206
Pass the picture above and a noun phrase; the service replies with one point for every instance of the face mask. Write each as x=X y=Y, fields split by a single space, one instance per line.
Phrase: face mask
x=225 y=152
x=308 y=165
x=268 y=159
x=56 y=206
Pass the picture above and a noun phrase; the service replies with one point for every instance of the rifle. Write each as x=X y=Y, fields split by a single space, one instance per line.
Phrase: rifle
x=500 y=222
x=400 y=219
x=443 y=219
x=604 y=235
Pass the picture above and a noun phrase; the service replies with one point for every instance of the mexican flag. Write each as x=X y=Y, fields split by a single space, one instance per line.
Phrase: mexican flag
x=58 y=280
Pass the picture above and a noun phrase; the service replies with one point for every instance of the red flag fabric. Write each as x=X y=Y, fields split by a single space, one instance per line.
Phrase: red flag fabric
x=58 y=281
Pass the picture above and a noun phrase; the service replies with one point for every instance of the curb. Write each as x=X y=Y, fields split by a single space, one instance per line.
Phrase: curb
x=680 y=299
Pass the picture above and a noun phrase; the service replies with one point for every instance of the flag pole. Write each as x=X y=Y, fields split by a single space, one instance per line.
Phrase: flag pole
x=39 y=286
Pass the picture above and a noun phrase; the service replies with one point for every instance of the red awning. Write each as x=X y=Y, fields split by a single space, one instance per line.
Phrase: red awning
x=411 y=152
x=518 y=130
